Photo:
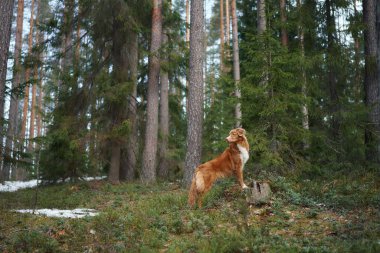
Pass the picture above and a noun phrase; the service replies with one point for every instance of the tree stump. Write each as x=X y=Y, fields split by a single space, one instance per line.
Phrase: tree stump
x=259 y=193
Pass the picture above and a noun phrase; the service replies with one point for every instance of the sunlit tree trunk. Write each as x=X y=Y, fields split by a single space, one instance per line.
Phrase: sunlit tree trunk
x=27 y=79
x=6 y=11
x=163 y=166
x=261 y=19
x=148 y=172
x=187 y=20
x=371 y=81
x=221 y=36
x=13 y=106
x=236 y=62
x=195 y=97
x=32 y=121
x=228 y=23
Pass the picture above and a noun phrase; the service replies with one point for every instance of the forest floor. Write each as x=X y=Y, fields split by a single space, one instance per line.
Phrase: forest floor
x=155 y=218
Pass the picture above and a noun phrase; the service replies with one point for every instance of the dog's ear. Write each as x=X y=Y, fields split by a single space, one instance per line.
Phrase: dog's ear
x=241 y=131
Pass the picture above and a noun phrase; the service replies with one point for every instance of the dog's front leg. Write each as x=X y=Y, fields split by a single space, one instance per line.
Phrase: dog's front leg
x=239 y=175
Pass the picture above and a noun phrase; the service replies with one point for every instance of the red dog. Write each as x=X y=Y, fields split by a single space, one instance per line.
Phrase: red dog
x=230 y=162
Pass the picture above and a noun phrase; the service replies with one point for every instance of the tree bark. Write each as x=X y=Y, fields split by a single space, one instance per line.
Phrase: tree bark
x=187 y=20
x=304 y=109
x=221 y=48
x=163 y=167
x=371 y=81
x=148 y=172
x=10 y=143
x=261 y=17
x=6 y=12
x=34 y=88
x=119 y=77
x=133 y=143
x=195 y=106
x=27 y=78
x=236 y=63
x=284 y=32
x=228 y=23
x=331 y=79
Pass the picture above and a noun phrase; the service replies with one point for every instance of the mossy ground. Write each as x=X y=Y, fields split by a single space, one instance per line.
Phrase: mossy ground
x=155 y=218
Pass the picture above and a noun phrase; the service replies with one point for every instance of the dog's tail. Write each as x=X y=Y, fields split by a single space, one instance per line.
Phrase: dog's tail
x=193 y=192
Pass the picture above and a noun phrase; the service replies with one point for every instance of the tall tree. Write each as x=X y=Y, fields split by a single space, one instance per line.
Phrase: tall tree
x=221 y=36
x=332 y=73
x=187 y=20
x=13 y=106
x=27 y=75
x=148 y=172
x=371 y=81
x=132 y=142
x=6 y=11
x=228 y=24
x=261 y=17
x=164 y=112
x=284 y=32
x=236 y=62
x=304 y=108
x=195 y=97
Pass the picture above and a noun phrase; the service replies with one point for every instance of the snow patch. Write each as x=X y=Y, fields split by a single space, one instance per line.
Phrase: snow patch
x=75 y=213
x=12 y=186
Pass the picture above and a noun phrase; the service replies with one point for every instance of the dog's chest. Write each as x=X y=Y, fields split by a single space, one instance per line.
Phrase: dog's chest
x=243 y=154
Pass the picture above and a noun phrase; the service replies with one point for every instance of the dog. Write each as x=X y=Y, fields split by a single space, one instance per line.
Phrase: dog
x=229 y=163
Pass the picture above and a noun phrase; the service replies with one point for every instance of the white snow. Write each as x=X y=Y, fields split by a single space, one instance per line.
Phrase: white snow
x=75 y=213
x=12 y=186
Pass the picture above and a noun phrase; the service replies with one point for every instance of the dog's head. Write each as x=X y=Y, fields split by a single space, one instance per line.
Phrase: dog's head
x=236 y=135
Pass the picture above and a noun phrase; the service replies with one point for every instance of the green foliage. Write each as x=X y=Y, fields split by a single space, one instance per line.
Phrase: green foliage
x=62 y=157
x=153 y=218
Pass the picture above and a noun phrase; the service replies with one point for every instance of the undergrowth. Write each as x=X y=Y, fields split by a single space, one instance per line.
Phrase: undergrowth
x=155 y=218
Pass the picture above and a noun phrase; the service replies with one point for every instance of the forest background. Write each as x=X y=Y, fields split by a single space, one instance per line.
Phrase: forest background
x=144 y=91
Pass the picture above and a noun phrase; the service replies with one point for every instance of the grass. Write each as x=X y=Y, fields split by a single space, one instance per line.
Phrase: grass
x=156 y=218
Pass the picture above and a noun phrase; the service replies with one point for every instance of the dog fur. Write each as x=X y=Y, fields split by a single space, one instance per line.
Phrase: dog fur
x=229 y=163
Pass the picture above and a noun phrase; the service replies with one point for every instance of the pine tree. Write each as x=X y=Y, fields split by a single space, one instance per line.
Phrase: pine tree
x=6 y=11
x=10 y=144
x=236 y=62
x=195 y=96
x=371 y=81
x=148 y=172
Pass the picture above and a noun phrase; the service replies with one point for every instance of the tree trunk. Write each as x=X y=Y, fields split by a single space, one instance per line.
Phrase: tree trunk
x=371 y=81
x=195 y=106
x=27 y=78
x=236 y=62
x=119 y=78
x=133 y=143
x=6 y=12
x=187 y=20
x=261 y=17
x=284 y=32
x=304 y=109
x=148 y=172
x=228 y=24
x=332 y=80
x=33 y=117
x=358 y=84
x=163 y=169
x=10 y=143
x=221 y=48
